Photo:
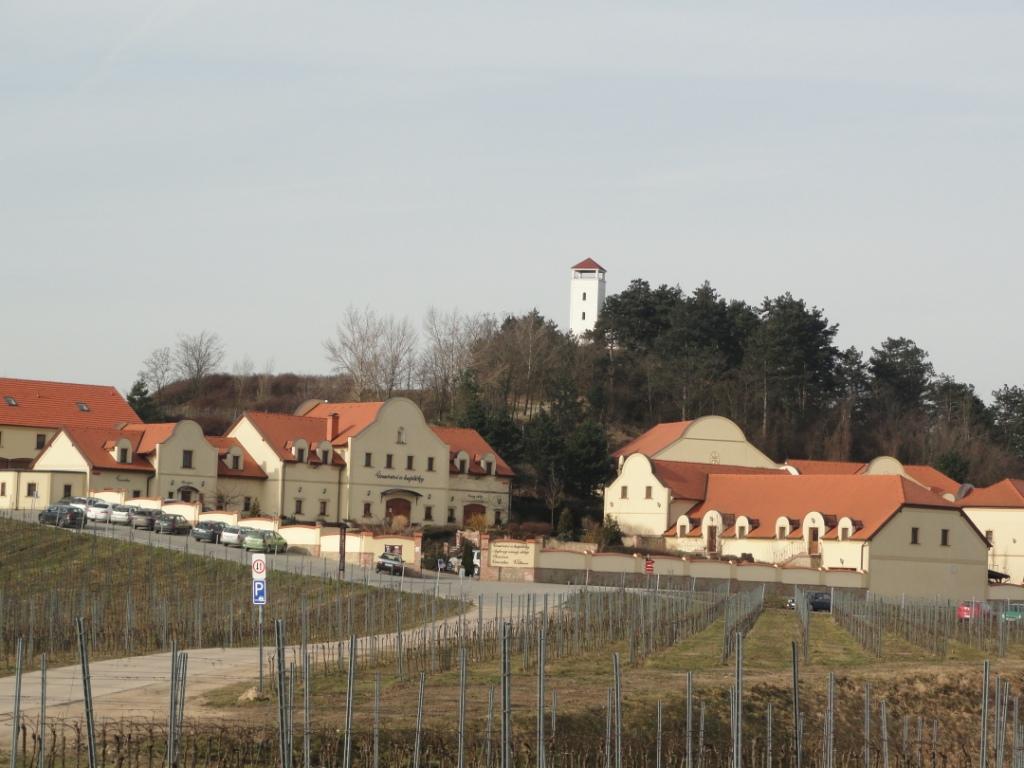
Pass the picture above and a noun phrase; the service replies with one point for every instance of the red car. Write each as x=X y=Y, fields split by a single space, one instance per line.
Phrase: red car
x=972 y=609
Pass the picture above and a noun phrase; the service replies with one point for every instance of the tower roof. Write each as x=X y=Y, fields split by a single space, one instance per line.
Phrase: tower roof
x=589 y=264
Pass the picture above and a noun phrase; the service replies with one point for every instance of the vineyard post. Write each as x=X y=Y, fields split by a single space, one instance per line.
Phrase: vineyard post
x=867 y=725
x=42 y=711
x=983 y=761
x=689 y=719
x=419 y=722
x=884 y=725
x=16 y=714
x=617 y=670
x=541 y=757
x=90 y=725
x=768 y=737
x=657 y=741
x=306 y=726
x=350 y=688
x=608 y=732
x=376 y=720
x=738 y=724
x=797 y=740
x=462 y=707
x=259 y=634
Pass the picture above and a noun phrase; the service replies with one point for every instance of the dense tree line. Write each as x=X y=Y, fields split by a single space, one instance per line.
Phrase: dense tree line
x=554 y=406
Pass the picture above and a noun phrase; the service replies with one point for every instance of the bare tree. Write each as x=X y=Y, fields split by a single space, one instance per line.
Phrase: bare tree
x=264 y=380
x=450 y=341
x=243 y=371
x=158 y=370
x=197 y=356
x=377 y=353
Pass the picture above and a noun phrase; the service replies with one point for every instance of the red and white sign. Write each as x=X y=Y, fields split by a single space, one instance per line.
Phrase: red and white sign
x=648 y=565
x=259 y=566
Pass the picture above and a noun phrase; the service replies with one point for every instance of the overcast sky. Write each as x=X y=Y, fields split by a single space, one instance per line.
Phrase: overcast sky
x=251 y=168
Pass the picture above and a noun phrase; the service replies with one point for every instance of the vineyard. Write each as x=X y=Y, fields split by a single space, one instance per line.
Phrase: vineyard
x=140 y=599
x=653 y=677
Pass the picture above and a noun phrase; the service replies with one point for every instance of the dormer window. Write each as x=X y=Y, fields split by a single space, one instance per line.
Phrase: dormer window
x=782 y=532
x=463 y=466
x=83 y=407
x=487 y=467
x=10 y=400
x=122 y=455
x=300 y=455
x=236 y=461
x=401 y=436
x=325 y=456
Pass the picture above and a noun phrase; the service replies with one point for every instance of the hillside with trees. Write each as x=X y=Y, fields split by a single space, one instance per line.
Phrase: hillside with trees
x=555 y=406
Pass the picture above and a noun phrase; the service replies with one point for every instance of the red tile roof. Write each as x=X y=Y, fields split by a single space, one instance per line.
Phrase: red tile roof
x=352 y=418
x=249 y=466
x=933 y=478
x=922 y=473
x=55 y=404
x=95 y=445
x=1005 y=493
x=870 y=500
x=471 y=441
x=689 y=480
x=821 y=467
x=655 y=439
x=589 y=264
x=151 y=435
x=281 y=430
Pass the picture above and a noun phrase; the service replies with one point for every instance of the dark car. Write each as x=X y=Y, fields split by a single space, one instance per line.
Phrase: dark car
x=62 y=516
x=171 y=523
x=390 y=563
x=207 y=531
x=143 y=518
x=820 y=601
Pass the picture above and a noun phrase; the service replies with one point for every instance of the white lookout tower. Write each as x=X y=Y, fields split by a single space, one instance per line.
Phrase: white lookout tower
x=586 y=296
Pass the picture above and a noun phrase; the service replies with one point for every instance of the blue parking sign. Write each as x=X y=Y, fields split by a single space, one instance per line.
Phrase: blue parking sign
x=259 y=592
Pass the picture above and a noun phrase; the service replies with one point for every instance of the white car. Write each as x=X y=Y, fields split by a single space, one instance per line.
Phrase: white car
x=97 y=511
x=121 y=514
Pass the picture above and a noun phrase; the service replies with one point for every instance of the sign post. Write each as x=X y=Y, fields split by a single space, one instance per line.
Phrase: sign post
x=259 y=599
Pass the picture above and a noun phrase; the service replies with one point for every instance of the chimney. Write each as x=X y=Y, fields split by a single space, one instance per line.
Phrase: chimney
x=333 y=425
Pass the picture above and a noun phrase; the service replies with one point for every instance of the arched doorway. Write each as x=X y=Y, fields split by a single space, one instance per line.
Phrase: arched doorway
x=471 y=510
x=398 y=512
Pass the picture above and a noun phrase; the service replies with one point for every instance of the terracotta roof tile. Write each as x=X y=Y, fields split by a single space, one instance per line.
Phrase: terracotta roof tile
x=151 y=435
x=92 y=444
x=1005 y=493
x=250 y=468
x=688 y=480
x=473 y=443
x=869 y=499
x=933 y=478
x=53 y=404
x=352 y=418
x=655 y=439
x=280 y=430
x=589 y=264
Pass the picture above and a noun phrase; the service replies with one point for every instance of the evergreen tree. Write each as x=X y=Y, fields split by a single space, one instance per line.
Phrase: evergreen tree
x=142 y=402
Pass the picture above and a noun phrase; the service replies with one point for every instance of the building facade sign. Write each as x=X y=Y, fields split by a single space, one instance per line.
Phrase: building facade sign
x=512 y=554
x=402 y=478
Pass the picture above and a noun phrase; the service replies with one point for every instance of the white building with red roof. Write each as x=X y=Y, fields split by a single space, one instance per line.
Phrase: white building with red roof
x=374 y=464
x=154 y=461
x=586 y=296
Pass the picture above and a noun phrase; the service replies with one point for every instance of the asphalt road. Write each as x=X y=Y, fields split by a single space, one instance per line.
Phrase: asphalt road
x=444 y=583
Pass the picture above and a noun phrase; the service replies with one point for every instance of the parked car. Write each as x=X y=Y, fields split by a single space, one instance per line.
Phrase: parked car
x=171 y=523
x=390 y=563
x=1013 y=612
x=972 y=609
x=62 y=516
x=820 y=601
x=143 y=518
x=264 y=541
x=121 y=514
x=97 y=511
x=207 y=531
x=234 y=535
